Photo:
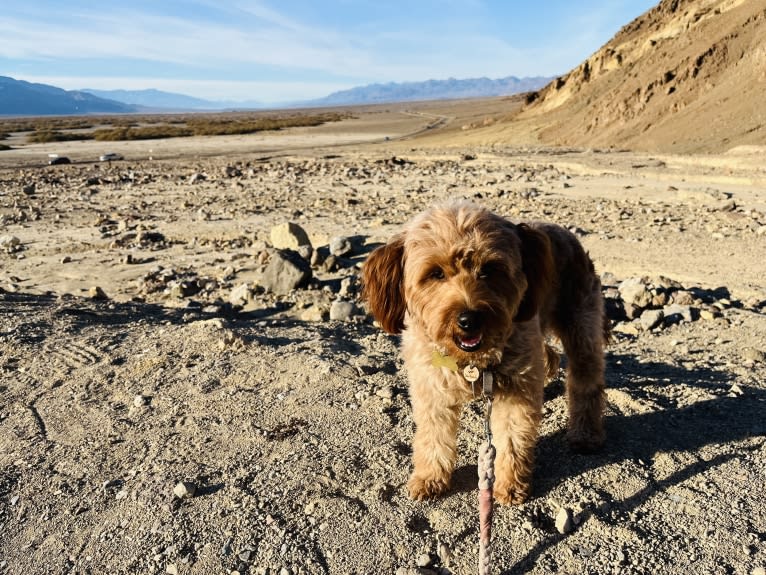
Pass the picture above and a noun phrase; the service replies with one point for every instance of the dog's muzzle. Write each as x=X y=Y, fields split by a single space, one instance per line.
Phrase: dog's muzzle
x=470 y=323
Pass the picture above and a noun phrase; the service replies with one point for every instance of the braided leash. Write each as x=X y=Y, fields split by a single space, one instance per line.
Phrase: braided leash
x=486 y=467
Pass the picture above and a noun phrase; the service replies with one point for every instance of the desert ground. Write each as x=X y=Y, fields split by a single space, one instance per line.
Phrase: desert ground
x=168 y=404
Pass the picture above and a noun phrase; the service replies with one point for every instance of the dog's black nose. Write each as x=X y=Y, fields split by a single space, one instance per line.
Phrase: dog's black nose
x=469 y=321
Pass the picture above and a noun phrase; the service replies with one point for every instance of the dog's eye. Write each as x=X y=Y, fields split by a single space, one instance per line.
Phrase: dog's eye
x=487 y=271
x=436 y=274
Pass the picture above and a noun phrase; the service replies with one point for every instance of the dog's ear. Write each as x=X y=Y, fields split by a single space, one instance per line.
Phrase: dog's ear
x=538 y=267
x=382 y=284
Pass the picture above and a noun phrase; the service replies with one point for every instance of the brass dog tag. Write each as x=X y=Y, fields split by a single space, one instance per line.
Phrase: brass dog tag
x=471 y=373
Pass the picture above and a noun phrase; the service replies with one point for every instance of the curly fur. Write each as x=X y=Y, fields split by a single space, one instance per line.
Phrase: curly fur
x=484 y=291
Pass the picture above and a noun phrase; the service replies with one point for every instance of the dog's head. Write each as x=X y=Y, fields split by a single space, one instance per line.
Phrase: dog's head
x=463 y=275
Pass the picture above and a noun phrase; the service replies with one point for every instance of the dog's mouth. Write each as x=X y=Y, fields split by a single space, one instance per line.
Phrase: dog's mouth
x=468 y=342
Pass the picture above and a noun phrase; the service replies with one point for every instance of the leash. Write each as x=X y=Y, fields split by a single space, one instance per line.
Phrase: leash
x=486 y=468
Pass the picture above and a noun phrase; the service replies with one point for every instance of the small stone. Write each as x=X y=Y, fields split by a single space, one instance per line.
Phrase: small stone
x=97 y=293
x=245 y=556
x=10 y=243
x=675 y=313
x=627 y=328
x=314 y=313
x=66 y=260
x=171 y=569
x=141 y=400
x=241 y=295
x=755 y=355
x=341 y=310
x=651 y=318
x=708 y=315
x=306 y=252
x=423 y=560
x=289 y=236
x=445 y=554
x=758 y=571
x=564 y=523
x=386 y=392
x=634 y=292
x=340 y=246
x=184 y=489
x=286 y=271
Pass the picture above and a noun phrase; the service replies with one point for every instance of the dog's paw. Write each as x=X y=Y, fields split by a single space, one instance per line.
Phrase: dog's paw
x=510 y=494
x=585 y=440
x=426 y=487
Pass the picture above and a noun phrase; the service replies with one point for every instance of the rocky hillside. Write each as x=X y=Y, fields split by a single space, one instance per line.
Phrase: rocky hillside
x=687 y=75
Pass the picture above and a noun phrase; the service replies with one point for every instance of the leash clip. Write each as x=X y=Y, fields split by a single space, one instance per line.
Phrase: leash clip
x=486 y=388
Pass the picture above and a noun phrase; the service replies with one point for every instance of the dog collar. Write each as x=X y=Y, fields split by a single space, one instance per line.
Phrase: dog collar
x=470 y=372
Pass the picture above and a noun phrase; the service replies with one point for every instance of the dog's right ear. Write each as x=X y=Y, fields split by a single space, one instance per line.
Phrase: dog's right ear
x=382 y=284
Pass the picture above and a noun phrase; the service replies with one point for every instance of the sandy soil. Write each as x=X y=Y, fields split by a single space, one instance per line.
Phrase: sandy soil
x=293 y=429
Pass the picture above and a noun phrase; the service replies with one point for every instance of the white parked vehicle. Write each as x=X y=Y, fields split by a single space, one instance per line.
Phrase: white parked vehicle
x=110 y=157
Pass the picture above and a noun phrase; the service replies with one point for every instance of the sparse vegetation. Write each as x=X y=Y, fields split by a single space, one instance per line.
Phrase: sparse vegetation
x=117 y=128
x=45 y=136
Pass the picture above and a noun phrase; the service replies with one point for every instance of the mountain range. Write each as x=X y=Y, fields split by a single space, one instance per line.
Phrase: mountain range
x=18 y=97
x=21 y=98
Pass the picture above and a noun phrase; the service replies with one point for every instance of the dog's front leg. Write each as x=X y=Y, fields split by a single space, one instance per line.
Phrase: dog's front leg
x=436 y=416
x=515 y=421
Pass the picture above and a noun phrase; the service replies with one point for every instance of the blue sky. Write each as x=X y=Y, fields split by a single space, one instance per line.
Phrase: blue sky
x=283 y=50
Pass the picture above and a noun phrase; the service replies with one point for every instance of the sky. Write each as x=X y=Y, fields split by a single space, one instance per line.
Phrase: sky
x=275 y=51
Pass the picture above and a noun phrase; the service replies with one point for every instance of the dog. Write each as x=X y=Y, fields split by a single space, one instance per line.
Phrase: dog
x=467 y=288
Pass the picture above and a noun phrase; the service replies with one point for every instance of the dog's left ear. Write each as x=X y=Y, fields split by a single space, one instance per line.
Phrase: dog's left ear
x=382 y=284
x=538 y=267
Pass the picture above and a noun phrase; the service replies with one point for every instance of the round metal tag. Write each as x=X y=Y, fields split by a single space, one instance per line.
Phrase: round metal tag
x=471 y=373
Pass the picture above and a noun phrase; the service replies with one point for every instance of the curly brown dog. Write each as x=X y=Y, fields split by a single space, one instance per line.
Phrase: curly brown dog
x=466 y=287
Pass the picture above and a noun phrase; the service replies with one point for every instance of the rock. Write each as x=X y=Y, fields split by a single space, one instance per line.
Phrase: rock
x=314 y=313
x=97 y=293
x=289 y=236
x=634 y=292
x=444 y=553
x=197 y=178
x=241 y=295
x=683 y=297
x=708 y=314
x=675 y=313
x=341 y=310
x=340 y=246
x=184 y=489
x=758 y=571
x=627 y=328
x=286 y=271
x=171 y=569
x=651 y=318
x=29 y=190
x=141 y=400
x=306 y=252
x=752 y=354
x=564 y=523
x=10 y=243
x=423 y=560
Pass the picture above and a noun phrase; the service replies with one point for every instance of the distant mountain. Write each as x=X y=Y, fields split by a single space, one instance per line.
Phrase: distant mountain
x=432 y=90
x=167 y=100
x=18 y=97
